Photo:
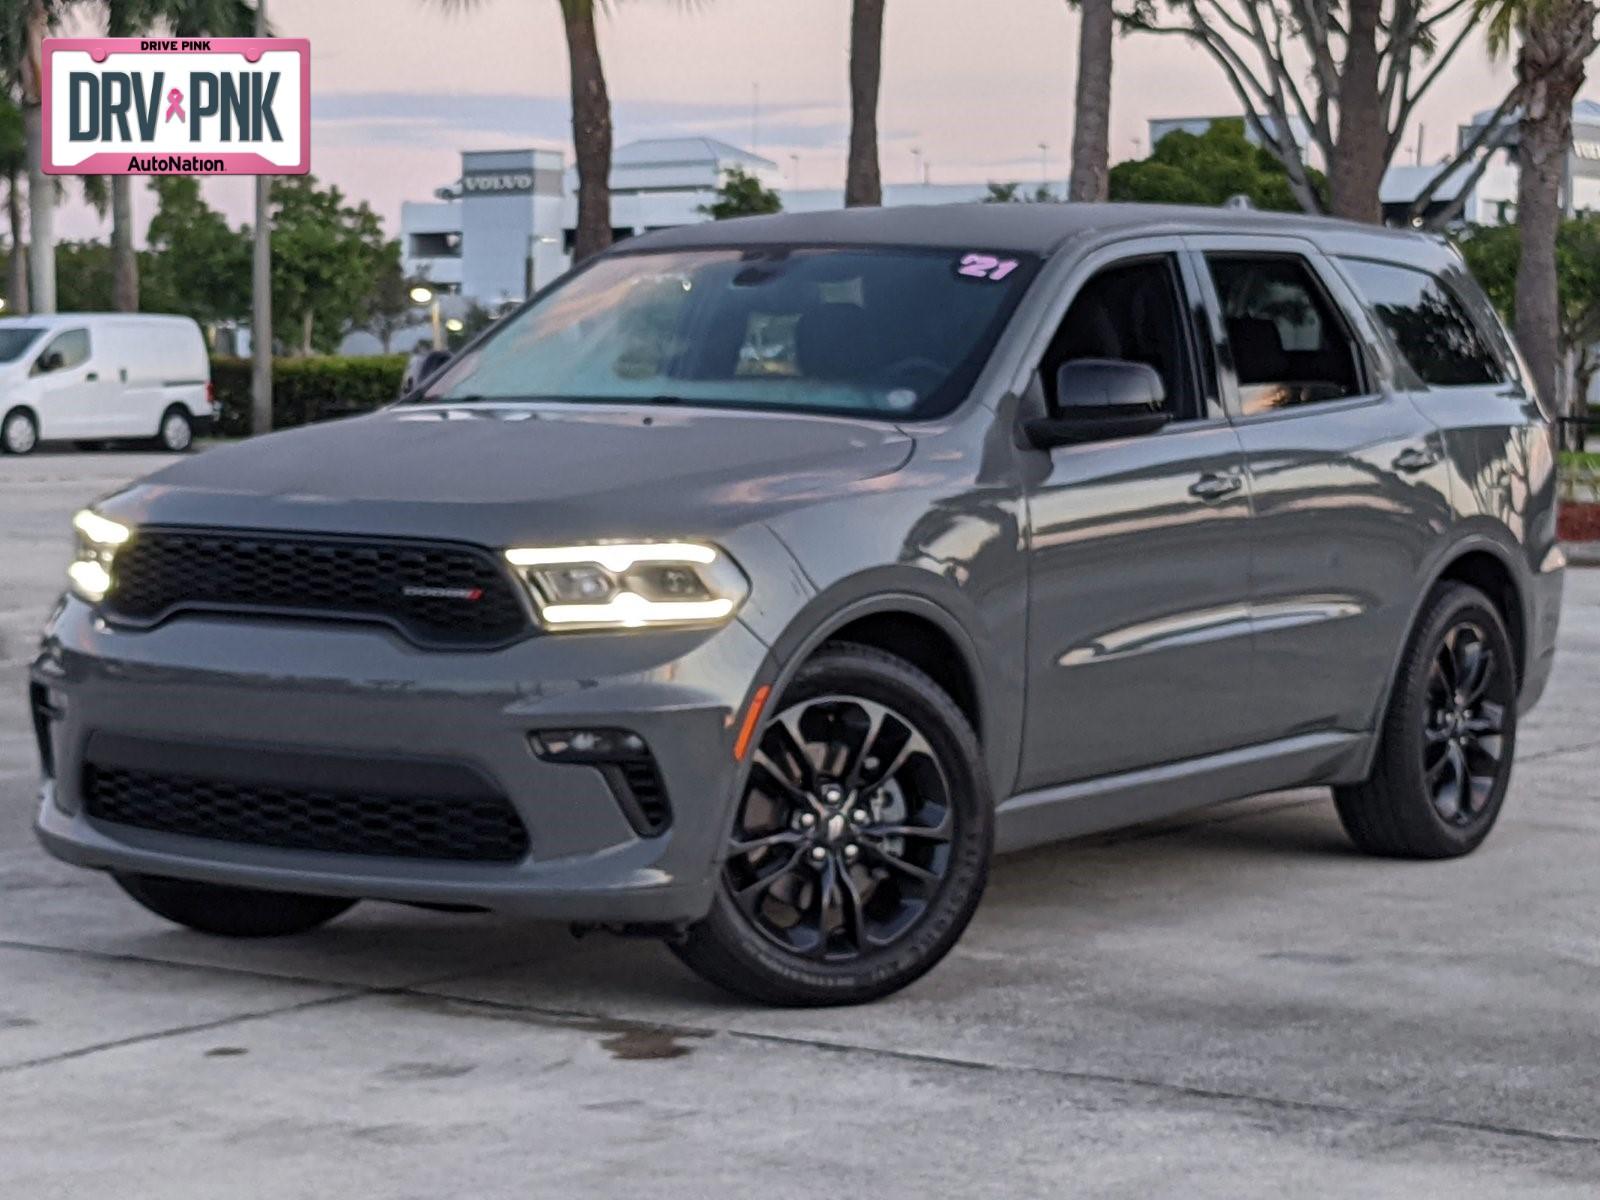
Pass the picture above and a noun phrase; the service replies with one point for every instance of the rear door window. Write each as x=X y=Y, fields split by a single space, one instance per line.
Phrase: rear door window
x=1428 y=324
x=1290 y=346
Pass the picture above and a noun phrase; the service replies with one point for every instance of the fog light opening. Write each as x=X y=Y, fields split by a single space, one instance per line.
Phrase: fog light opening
x=626 y=764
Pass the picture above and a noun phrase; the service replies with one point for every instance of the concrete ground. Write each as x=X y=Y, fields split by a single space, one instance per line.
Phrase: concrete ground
x=1227 y=1005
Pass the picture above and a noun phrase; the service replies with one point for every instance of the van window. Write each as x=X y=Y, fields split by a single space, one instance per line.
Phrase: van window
x=13 y=342
x=1428 y=324
x=1290 y=347
x=1133 y=312
x=72 y=347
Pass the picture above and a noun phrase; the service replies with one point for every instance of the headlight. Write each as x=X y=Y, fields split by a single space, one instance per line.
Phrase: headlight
x=98 y=539
x=627 y=586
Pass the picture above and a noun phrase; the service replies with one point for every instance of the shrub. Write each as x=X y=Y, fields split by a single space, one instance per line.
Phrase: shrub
x=305 y=390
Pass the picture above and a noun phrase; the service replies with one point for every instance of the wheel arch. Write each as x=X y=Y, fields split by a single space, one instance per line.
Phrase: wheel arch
x=928 y=635
x=1480 y=562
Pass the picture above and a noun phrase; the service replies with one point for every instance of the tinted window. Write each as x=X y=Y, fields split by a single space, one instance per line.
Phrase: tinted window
x=14 y=341
x=72 y=347
x=894 y=333
x=1290 y=347
x=1133 y=312
x=1428 y=324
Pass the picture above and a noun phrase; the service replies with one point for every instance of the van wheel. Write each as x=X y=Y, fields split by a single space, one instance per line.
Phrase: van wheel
x=230 y=911
x=19 y=432
x=860 y=847
x=177 y=431
x=1448 y=738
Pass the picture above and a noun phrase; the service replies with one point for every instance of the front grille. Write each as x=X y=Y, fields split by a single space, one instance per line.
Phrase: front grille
x=458 y=595
x=479 y=828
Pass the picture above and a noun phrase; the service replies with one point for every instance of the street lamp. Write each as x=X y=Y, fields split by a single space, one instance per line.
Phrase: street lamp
x=425 y=295
x=455 y=324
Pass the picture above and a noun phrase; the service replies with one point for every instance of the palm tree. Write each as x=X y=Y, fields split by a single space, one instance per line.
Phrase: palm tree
x=36 y=18
x=863 y=186
x=591 y=122
x=1556 y=39
x=13 y=162
x=1091 y=115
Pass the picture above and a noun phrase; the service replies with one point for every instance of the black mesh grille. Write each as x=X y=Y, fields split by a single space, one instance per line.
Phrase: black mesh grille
x=480 y=829
x=435 y=593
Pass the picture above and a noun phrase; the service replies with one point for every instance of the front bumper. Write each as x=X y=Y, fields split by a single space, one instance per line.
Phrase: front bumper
x=363 y=690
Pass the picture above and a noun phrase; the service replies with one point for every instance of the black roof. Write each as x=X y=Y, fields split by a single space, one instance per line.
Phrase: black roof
x=1022 y=228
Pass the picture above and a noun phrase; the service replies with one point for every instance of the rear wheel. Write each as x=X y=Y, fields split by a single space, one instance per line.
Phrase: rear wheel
x=231 y=911
x=861 y=844
x=19 y=432
x=1444 y=763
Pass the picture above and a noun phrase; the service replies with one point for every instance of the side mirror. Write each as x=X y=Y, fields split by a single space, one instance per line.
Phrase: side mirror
x=52 y=360
x=1101 y=398
x=432 y=363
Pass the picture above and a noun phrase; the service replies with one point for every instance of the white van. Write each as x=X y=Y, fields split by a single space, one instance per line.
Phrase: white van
x=99 y=377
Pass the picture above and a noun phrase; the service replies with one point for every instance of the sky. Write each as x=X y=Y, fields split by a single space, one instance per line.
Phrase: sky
x=400 y=87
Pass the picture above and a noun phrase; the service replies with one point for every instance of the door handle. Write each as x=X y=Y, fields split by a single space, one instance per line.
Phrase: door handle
x=92 y=376
x=1415 y=458
x=1215 y=487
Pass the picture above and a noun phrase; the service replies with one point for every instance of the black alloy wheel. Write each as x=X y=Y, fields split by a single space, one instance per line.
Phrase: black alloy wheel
x=1448 y=738
x=860 y=845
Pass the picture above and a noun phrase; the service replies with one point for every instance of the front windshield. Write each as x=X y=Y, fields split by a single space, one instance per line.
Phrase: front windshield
x=892 y=333
x=14 y=341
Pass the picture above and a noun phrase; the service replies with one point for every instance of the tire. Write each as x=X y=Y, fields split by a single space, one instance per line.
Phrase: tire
x=176 y=434
x=1443 y=766
x=230 y=911
x=19 y=432
x=888 y=902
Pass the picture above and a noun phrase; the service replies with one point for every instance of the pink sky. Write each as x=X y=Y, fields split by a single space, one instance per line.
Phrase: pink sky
x=399 y=87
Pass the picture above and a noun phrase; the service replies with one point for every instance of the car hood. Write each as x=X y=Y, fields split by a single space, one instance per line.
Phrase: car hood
x=510 y=474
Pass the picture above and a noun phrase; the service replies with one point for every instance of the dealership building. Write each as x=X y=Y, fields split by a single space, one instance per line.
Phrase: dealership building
x=504 y=228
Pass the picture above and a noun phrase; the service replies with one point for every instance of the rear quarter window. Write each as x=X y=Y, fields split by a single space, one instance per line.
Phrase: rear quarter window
x=1431 y=328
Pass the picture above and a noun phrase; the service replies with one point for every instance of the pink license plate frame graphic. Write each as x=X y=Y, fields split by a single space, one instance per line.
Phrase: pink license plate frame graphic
x=230 y=162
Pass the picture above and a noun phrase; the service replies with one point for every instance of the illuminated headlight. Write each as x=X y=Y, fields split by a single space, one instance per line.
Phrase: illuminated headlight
x=628 y=586
x=98 y=539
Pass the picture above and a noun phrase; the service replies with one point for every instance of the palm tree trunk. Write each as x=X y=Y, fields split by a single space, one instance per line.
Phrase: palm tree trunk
x=17 y=268
x=863 y=186
x=1091 y=117
x=1356 y=170
x=1557 y=38
x=591 y=129
x=41 y=189
x=124 y=262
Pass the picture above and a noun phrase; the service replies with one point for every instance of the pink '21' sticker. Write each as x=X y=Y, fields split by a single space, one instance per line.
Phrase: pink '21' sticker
x=986 y=266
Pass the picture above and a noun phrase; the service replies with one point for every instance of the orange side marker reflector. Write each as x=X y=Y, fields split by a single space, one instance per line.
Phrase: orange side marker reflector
x=752 y=718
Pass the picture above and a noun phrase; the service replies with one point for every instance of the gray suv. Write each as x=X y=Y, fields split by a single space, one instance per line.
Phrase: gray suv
x=756 y=583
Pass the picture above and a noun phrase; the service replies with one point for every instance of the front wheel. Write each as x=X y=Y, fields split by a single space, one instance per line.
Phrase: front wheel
x=231 y=911
x=861 y=844
x=19 y=432
x=1444 y=761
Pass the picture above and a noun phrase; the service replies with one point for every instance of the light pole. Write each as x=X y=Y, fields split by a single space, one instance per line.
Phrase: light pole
x=261 y=291
x=425 y=295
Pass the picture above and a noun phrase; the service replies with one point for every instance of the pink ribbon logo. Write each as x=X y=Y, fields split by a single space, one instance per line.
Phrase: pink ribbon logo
x=175 y=105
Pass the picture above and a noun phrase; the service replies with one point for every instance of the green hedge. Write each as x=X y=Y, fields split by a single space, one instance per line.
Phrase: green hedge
x=306 y=389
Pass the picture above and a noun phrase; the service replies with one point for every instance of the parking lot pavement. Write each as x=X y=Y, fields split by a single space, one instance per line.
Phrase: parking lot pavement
x=1224 y=1005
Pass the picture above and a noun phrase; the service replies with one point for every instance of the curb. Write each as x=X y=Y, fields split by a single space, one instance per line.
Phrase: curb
x=1582 y=554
